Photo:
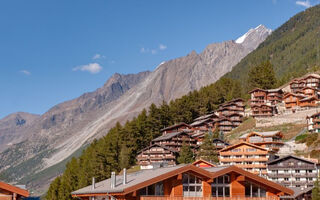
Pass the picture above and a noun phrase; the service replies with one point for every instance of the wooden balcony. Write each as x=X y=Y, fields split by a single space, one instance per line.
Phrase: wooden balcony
x=205 y=198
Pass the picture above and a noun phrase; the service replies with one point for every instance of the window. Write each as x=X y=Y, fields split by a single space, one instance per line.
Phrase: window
x=297 y=171
x=297 y=179
x=221 y=186
x=192 y=186
x=152 y=190
x=253 y=190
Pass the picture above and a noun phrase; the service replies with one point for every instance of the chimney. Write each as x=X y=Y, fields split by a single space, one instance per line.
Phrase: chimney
x=113 y=180
x=124 y=176
x=93 y=183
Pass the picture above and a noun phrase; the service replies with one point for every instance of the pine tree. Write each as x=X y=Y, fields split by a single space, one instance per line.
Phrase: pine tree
x=262 y=76
x=186 y=154
x=316 y=190
x=207 y=150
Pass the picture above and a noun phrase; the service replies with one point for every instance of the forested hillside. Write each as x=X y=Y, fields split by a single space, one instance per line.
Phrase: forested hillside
x=293 y=48
x=118 y=149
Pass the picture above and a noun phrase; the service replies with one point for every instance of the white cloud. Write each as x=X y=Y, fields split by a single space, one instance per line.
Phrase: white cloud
x=93 y=68
x=306 y=3
x=98 y=56
x=26 y=72
x=162 y=47
x=153 y=51
x=144 y=50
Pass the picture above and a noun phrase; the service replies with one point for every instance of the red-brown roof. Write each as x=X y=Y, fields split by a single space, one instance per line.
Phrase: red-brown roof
x=243 y=143
x=203 y=161
x=14 y=189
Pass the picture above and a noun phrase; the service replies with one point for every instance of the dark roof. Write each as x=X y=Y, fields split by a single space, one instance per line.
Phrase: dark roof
x=174 y=126
x=255 y=89
x=297 y=192
x=171 y=135
x=165 y=147
x=290 y=156
x=243 y=143
x=217 y=139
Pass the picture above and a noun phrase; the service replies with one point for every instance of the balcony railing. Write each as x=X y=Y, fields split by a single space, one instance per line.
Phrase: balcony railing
x=205 y=198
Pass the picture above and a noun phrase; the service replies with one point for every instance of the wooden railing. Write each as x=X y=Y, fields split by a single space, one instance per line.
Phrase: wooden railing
x=205 y=198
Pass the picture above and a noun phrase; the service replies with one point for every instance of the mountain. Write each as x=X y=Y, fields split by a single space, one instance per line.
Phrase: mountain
x=69 y=126
x=293 y=48
x=13 y=126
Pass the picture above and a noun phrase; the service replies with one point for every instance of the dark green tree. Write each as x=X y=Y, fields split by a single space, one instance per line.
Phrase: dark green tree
x=207 y=150
x=262 y=76
x=186 y=154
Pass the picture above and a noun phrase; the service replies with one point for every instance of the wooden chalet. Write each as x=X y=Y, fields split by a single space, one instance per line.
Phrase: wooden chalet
x=231 y=107
x=263 y=110
x=292 y=100
x=274 y=96
x=247 y=156
x=309 y=91
x=257 y=96
x=156 y=155
x=308 y=102
x=271 y=140
x=311 y=80
x=11 y=192
x=174 y=140
x=314 y=122
x=175 y=128
x=225 y=125
x=184 y=182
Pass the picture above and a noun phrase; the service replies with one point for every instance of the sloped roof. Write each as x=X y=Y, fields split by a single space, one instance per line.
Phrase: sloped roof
x=203 y=161
x=175 y=126
x=243 y=143
x=201 y=122
x=206 y=116
x=14 y=189
x=171 y=135
x=255 y=89
x=290 y=156
x=217 y=139
x=309 y=98
x=158 y=145
x=143 y=178
x=263 y=134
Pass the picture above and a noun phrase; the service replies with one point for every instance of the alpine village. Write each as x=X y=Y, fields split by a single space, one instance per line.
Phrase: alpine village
x=251 y=135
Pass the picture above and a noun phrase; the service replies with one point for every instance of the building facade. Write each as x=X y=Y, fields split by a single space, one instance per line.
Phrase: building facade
x=270 y=140
x=247 y=156
x=185 y=182
x=292 y=171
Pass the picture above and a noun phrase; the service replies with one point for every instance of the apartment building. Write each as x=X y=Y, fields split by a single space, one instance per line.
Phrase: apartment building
x=270 y=140
x=292 y=171
x=314 y=123
x=247 y=156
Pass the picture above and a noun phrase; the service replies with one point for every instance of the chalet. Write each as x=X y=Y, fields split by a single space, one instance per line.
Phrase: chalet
x=309 y=91
x=311 y=80
x=292 y=100
x=235 y=118
x=174 y=140
x=184 y=182
x=175 y=128
x=314 y=123
x=292 y=171
x=220 y=144
x=225 y=125
x=274 y=96
x=10 y=192
x=231 y=107
x=247 y=156
x=156 y=155
x=258 y=96
x=208 y=116
x=308 y=102
x=263 y=110
x=271 y=140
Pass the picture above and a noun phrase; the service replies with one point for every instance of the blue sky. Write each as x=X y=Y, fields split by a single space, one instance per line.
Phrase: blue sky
x=53 y=51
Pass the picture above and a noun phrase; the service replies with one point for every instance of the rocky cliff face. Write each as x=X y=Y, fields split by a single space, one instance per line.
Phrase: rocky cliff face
x=66 y=127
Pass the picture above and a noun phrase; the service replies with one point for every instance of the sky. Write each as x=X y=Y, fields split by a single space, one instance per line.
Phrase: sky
x=53 y=51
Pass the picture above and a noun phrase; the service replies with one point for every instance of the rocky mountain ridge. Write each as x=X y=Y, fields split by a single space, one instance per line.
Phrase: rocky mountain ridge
x=68 y=126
